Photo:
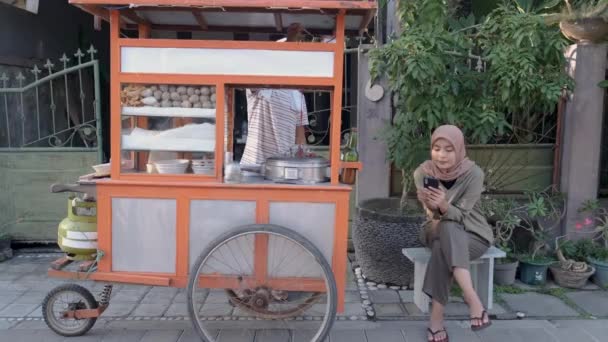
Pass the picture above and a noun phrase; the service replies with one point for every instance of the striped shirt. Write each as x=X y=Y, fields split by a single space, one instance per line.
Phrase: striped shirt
x=273 y=115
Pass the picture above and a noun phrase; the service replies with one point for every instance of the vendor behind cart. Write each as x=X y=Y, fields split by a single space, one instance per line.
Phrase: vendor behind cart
x=276 y=117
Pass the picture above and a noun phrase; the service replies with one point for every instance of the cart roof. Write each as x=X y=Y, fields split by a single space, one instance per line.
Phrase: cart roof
x=265 y=16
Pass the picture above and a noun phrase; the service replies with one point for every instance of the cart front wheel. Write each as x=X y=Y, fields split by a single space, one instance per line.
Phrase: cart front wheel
x=268 y=275
x=64 y=298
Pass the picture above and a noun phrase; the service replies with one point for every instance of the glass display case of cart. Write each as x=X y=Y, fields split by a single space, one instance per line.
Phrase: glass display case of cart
x=168 y=129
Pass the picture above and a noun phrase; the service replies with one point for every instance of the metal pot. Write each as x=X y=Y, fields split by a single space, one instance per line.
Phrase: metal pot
x=309 y=170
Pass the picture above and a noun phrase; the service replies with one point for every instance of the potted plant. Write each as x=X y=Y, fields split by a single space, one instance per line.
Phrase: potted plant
x=596 y=218
x=501 y=216
x=583 y=21
x=539 y=216
x=572 y=270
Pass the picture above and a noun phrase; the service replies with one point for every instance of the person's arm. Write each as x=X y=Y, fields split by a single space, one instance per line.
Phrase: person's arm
x=302 y=122
x=300 y=136
x=419 y=183
x=457 y=210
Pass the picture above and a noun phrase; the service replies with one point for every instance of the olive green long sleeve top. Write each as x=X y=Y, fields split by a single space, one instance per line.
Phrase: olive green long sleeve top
x=463 y=203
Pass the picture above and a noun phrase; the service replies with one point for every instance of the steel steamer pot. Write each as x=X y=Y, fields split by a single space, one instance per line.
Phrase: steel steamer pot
x=307 y=170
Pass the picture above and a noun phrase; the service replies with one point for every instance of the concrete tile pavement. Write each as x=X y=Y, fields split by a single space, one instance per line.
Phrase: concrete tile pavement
x=387 y=331
x=159 y=313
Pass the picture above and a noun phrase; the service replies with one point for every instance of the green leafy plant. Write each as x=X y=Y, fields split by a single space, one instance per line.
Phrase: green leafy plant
x=539 y=214
x=578 y=250
x=501 y=214
x=513 y=80
x=595 y=220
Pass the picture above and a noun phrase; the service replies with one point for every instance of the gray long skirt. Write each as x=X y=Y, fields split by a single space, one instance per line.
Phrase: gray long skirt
x=452 y=247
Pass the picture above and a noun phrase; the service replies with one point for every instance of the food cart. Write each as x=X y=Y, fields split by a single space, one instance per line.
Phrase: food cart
x=274 y=251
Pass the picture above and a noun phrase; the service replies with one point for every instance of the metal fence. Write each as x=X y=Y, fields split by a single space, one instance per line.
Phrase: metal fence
x=58 y=107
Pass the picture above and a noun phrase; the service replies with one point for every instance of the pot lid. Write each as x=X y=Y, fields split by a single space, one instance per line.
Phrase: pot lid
x=286 y=161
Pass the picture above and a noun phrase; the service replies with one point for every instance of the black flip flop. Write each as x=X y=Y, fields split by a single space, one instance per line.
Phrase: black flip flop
x=445 y=339
x=484 y=315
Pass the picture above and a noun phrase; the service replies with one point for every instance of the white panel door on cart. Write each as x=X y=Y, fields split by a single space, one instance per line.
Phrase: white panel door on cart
x=144 y=235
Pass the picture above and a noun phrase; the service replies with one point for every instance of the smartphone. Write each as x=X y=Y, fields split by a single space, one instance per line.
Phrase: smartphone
x=431 y=182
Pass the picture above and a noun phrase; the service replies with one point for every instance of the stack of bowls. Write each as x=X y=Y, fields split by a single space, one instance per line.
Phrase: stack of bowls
x=172 y=166
x=203 y=166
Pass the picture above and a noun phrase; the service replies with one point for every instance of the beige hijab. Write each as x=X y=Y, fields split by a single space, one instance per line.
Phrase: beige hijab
x=463 y=164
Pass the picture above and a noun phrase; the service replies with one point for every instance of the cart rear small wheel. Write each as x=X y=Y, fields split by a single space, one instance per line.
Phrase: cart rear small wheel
x=65 y=298
x=278 y=281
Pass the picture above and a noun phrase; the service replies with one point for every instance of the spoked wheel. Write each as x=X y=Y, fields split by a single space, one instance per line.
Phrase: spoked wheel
x=278 y=280
x=65 y=298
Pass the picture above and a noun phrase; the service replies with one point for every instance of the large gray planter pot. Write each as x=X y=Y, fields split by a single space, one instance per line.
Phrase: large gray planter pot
x=504 y=273
x=5 y=249
x=380 y=232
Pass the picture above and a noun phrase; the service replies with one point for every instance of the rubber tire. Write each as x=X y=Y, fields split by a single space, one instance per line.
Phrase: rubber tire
x=90 y=303
x=332 y=291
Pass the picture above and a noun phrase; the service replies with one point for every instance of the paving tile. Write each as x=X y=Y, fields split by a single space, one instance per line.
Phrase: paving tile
x=31 y=297
x=150 y=310
x=407 y=296
x=158 y=298
x=177 y=309
x=37 y=312
x=11 y=286
x=231 y=335
x=274 y=335
x=385 y=297
x=535 y=334
x=127 y=296
x=571 y=334
x=351 y=309
x=347 y=336
x=135 y=288
x=221 y=309
x=597 y=330
x=499 y=335
x=538 y=305
x=415 y=334
x=119 y=309
x=10 y=276
x=302 y=335
x=181 y=297
x=7 y=325
x=161 y=336
x=593 y=302
x=217 y=296
x=352 y=297
x=20 y=335
x=412 y=310
x=384 y=335
x=391 y=310
x=7 y=297
x=123 y=335
x=17 y=310
x=457 y=309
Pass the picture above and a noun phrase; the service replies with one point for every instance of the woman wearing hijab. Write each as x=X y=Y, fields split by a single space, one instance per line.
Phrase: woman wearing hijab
x=456 y=231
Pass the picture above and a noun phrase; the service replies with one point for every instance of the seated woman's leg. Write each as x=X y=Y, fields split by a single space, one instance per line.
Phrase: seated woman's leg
x=459 y=248
x=437 y=283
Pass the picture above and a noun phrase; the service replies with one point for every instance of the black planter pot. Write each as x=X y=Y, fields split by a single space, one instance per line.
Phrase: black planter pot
x=5 y=249
x=380 y=232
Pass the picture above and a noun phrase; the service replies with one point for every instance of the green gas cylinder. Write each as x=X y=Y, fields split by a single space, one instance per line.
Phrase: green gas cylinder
x=77 y=233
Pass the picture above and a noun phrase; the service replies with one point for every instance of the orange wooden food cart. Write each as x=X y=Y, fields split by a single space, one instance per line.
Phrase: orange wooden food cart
x=253 y=250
